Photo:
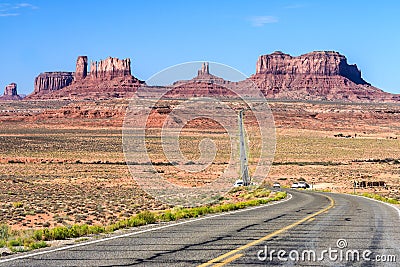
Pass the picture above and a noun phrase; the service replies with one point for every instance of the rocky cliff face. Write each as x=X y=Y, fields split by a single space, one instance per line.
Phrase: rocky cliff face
x=81 y=68
x=321 y=63
x=10 y=92
x=52 y=81
x=109 y=78
x=321 y=75
x=110 y=68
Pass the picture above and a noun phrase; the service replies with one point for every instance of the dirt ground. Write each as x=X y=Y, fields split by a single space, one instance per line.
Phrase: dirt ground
x=63 y=163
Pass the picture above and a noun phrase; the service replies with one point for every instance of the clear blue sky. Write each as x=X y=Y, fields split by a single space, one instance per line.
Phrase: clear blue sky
x=38 y=36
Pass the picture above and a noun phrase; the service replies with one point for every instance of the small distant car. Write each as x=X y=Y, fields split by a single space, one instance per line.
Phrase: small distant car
x=295 y=185
x=238 y=183
x=276 y=185
x=303 y=185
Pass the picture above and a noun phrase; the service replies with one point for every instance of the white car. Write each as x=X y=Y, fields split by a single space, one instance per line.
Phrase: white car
x=238 y=183
x=303 y=185
x=295 y=185
x=276 y=185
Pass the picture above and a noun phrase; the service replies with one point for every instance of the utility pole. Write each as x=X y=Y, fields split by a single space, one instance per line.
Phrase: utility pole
x=244 y=171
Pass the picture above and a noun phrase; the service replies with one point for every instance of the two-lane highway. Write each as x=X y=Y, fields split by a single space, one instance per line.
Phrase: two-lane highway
x=307 y=224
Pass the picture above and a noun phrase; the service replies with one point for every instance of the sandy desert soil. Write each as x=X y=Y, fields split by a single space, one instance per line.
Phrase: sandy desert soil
x=63 y=163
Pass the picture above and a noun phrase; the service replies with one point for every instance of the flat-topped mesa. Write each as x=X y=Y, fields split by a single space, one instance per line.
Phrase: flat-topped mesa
x=51 y=81
x=110 y=68
x=321 y=63
x=11 y=90
x=10 y=93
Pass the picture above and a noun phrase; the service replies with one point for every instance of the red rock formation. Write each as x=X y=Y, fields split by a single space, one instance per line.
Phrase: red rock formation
x=203 y=85
x=10 y=92
x=110 y=68
x=324 y=63
x=204 y=70
x=52 y=81
x=81 y=68
x=11 y=89
x=318 y=76
x=109 y=78
x=315 y=76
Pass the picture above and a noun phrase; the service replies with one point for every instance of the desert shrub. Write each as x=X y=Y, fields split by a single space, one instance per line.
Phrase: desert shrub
x=167 y=216
x=77 y=231
x=36 y=245
x=4 y=232
x=136 y=221
x=15 y=242
x=381 y=198
x=37 y=235
x=59 y=233
x=181 y=213
x=17 y=205
x=96 y=229
x=147 y=216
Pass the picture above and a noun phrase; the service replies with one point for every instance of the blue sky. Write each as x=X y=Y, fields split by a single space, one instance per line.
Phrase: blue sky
x=38 y=36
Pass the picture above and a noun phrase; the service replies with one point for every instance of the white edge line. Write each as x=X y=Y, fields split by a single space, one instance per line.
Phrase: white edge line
x=144 y=231
x=390 y=205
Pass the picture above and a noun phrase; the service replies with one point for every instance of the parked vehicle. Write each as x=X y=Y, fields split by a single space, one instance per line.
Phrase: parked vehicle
x=295 y=185
x=238 y=183
x=303 y=185
x=276 y=185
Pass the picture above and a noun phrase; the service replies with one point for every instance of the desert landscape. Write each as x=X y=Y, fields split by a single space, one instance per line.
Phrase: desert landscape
x=62 y=160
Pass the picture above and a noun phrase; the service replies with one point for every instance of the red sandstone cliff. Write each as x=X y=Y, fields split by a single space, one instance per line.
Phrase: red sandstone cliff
x=109 y=78
x=321 y=75
x=10 y=93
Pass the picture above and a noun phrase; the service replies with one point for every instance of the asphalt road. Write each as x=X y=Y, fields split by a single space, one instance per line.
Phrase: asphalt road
x=305 y=223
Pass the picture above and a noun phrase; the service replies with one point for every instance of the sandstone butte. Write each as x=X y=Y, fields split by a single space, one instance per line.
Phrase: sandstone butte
x=10 y=93
x=109 y=78
x=319 y=76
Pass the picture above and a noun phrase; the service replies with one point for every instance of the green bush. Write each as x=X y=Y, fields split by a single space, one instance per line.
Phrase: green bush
x=15 y=242
x=96 y=229
x=166 y=216
x=381 y=198
x=17 y=205
x=147 y=216
x=36 y=245
x=4 y=232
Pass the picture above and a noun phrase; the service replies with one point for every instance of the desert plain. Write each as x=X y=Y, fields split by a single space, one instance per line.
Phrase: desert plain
x=62 y=161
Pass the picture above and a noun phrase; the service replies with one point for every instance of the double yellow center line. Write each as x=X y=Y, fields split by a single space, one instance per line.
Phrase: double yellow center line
x=232 y=255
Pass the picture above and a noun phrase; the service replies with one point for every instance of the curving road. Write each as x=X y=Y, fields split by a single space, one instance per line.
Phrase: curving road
x=309 y=223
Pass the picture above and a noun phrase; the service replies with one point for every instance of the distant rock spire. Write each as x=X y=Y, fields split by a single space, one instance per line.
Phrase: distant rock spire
x=81 y=68
x=204 y=69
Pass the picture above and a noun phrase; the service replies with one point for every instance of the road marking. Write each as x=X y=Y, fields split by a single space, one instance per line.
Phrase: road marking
x=228 y=260
x=255 y=242
x=143 y=231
